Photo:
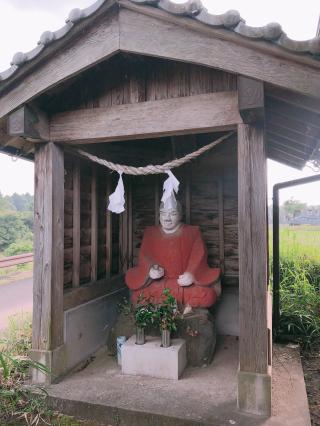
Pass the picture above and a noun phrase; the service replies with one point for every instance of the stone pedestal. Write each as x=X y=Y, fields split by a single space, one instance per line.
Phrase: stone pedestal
x=199 y=331
x=152 y=360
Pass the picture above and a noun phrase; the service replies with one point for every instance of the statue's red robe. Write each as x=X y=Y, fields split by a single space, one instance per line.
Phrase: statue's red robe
x=179 y=252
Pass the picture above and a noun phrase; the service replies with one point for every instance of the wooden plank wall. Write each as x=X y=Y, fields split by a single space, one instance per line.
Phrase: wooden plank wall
x=85 y=237
x=138 y=79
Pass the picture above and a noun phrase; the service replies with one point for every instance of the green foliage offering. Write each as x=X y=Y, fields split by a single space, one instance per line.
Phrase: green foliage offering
x=168 y=313
x=145 y=313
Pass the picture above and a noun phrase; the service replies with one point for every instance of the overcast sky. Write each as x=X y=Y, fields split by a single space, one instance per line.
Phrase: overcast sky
x=23 y=21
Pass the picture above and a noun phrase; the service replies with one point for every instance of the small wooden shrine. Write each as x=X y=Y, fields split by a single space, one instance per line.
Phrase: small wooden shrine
x=143 y=82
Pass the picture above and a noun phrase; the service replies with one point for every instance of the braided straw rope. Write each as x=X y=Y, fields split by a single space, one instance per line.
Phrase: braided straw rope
x=152 y=170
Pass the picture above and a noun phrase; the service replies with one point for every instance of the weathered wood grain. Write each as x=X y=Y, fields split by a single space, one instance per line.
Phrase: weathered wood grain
x=90 y=291
x=76 y=225
x=47 y=330
x=216 y=111
x=29 y=122
x=108 y=231
x=253 y=260
x=295 y=99
x=250 y=99
x=221 y=224
x=94 y=225
x=214 y=48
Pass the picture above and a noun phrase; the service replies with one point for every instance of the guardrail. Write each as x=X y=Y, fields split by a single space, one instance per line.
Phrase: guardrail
x=6 y=262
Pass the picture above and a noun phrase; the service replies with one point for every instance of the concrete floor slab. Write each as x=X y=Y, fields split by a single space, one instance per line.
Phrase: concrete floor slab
x=203 y=395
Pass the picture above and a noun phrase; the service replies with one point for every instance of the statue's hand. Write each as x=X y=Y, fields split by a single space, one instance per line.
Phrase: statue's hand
x=156 y=272
x=186 y=279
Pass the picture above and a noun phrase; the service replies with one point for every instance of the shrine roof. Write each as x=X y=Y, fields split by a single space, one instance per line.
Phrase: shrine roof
x=192 y=9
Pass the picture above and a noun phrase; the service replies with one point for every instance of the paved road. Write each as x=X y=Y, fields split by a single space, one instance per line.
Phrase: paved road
x=15 y=297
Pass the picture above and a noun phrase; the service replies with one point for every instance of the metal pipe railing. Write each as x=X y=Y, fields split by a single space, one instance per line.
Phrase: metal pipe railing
x=6 y=262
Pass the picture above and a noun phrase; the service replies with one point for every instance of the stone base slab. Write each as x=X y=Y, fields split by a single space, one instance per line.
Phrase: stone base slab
x=254 y=393
x=152 y=360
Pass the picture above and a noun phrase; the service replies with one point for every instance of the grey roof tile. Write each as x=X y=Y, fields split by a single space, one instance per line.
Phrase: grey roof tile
x=192 y=8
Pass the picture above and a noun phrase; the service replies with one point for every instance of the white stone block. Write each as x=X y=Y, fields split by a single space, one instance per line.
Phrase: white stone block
x=152 y=360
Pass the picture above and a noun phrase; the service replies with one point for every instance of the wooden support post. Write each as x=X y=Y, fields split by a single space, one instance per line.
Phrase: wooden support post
x=130 y=231
x=94 y=226
x=221 y=224
x=254 y=380
x=123 y=246
x=47 y=324
x=76 y=225
x=156 y=200
x=188 y=194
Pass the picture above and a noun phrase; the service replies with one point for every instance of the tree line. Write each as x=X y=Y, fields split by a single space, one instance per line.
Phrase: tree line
x=16 y=224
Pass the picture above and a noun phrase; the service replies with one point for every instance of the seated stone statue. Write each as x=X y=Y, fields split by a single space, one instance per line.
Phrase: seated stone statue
x=174 y=256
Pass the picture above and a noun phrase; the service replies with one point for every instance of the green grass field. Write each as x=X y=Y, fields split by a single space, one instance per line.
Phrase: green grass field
x=300 y=284
x=300 y=242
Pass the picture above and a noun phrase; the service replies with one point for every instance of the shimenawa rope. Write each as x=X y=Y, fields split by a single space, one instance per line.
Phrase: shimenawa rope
x=151 y=169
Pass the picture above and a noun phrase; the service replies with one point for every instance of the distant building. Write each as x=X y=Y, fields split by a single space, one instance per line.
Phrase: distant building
x=309 y=216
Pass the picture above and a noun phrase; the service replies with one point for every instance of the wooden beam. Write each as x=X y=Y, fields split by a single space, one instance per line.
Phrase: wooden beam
x=250 y=99
x=214 y=48
x=94 y=225
x=253 y=260
x=210 y=112
x=29 y=122
x=47 y=325
x=76 y=224
x=75 y=297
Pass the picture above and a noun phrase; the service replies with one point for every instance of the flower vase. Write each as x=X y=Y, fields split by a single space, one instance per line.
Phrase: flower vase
x=140 y=337
x=165 y=338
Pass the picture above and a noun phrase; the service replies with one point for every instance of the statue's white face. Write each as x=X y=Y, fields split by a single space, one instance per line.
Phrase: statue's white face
x=170 y=219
